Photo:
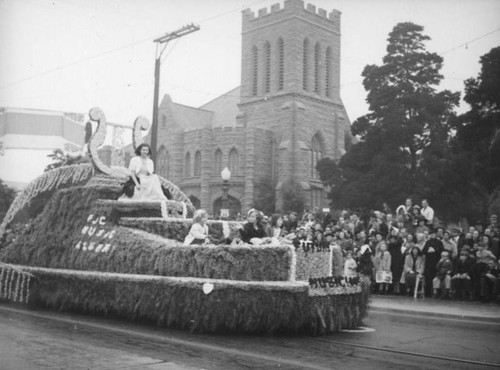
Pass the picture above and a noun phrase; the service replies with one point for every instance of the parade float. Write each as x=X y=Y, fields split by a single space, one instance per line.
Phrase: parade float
x=88 y=252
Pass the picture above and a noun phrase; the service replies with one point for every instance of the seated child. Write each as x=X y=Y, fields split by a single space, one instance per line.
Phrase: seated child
x=442 y=280
x=198 y=234
x=489 y=281
x=461 y=282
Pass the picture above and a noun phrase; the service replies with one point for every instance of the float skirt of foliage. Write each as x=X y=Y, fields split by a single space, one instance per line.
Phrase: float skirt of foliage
x=200 y=305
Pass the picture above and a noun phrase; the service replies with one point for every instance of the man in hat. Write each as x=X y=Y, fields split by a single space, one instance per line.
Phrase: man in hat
x=493 y=222
x=432 y=251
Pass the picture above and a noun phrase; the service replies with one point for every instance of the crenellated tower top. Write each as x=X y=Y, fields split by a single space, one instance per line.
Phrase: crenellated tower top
x=291 y=8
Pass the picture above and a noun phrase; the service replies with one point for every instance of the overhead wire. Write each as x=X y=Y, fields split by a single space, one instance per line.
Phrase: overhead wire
x=58 y=68
x=199 y=22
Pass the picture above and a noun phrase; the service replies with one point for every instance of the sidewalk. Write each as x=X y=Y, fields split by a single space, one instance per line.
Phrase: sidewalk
x=436 y=307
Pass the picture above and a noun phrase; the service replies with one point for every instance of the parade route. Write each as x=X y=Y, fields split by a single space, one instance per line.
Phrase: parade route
x=49 y=340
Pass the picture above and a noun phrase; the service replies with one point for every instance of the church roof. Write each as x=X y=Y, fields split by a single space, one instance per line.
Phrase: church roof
x=225 y=108
x=191 y=118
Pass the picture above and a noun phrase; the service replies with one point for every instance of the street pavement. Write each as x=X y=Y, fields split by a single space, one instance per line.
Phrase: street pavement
x=398 y=333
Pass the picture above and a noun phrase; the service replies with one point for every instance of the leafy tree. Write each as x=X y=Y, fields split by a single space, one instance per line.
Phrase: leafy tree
x=59 y=159
x=265 y=196
x=408 y=126
x=293 y=197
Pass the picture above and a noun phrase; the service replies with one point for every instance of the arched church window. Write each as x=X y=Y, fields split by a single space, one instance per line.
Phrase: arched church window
x=316 y=155
x=218 y=162
x=267 y=61
x=305 y=66
x=163 y=162
x=233 y=161
x=255 y=69
x=187 y=165
x=317 y=66
x=197 y=163
x=274 y=161
x=328 y=59
x=281 y=64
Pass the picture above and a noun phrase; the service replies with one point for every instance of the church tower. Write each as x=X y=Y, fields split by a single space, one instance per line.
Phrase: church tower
x=290 y=87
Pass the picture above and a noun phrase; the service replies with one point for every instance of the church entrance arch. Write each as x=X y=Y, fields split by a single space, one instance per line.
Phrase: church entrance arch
x=233 y=205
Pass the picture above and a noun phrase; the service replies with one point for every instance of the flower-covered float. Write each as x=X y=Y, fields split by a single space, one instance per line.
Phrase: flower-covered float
x=88 y=252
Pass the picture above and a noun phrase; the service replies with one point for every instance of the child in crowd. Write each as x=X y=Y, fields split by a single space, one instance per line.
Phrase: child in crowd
x=461 y=282
x=350 y=265
x=442 y=281
x=382 y=263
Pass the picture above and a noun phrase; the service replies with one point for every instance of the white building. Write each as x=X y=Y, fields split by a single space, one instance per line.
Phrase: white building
x=28 y=136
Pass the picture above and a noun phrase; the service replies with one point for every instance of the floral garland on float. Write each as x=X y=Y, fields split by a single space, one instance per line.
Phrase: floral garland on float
x=14 y=283
x=53 y=179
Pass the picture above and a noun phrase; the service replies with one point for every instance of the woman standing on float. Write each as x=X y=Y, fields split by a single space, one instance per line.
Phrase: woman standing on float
x=147 y=184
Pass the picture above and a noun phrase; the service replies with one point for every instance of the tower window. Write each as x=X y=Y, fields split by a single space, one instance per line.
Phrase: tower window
x=187 y=165
x=305 y=66
x=316 y=155
x=255 y=69
x=267 y=76
x=281 y=63
x=197 y=163
x=328 y=71
x=317 y=56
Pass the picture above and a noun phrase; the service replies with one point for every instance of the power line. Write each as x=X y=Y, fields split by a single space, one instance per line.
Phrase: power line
x=109 y=51
x=470 y=41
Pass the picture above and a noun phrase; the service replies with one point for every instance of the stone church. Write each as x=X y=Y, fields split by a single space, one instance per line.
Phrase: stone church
x=286 y=115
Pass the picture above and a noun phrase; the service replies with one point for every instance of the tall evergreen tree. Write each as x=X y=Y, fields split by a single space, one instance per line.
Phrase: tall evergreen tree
x=477 y=143
x=479 y=132
x=407 y=124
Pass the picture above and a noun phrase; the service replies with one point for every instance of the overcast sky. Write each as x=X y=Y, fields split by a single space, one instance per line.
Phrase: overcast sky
x=71 y=55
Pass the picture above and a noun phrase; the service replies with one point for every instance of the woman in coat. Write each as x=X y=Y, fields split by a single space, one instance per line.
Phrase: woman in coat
x=414 y=266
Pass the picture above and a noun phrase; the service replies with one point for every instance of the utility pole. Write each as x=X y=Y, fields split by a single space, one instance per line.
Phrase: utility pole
x=161 y=45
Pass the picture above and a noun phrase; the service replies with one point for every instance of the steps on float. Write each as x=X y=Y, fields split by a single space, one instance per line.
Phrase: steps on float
x=177 y=228
x=139 y=209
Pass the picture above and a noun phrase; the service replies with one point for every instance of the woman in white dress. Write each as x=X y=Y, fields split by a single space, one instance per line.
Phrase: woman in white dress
x=147 y=184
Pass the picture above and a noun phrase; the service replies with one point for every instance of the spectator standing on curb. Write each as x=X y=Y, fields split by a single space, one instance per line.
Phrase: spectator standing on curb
x=432 y=251
x=414 y=266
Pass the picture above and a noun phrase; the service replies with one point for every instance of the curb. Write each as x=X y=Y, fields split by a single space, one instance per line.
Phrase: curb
x=488 y=319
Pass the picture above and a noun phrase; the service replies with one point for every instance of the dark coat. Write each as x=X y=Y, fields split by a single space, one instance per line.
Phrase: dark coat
x=249 y=231
x=432 y=258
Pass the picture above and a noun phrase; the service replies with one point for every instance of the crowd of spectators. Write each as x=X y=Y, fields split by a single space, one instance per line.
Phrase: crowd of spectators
x=399 y=251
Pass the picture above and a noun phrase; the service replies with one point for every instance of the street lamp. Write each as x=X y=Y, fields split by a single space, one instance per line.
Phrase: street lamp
x=226 y=175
